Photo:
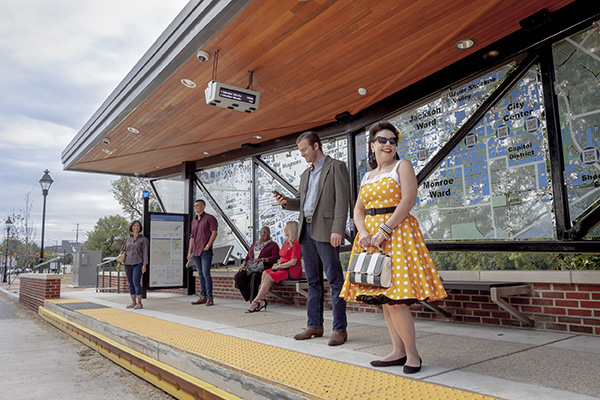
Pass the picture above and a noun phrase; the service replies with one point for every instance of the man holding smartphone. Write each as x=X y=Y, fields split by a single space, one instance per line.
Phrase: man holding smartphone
x=323 y=205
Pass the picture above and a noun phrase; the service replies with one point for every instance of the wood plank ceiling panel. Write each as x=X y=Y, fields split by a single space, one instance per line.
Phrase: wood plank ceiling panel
x=309 y=59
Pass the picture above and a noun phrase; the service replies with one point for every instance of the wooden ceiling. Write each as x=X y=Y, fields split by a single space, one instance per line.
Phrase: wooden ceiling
x=309 y=58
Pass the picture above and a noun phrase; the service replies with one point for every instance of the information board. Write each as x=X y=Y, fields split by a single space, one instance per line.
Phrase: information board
x=166 y=250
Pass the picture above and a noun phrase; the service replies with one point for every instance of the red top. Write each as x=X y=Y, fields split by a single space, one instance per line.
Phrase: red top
x=201 y=231
x=289 y=251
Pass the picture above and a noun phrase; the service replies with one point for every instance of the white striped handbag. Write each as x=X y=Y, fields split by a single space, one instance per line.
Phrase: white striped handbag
x=371 y=269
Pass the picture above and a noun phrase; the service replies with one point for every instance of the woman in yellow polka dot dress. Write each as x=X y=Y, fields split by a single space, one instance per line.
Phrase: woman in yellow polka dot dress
x=381 y=215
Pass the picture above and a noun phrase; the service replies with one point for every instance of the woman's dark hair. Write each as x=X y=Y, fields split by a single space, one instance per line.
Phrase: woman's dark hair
x=133 y=223
x=375 y=128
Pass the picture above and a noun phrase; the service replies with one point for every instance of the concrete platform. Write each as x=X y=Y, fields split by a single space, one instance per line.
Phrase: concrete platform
x=499 y=362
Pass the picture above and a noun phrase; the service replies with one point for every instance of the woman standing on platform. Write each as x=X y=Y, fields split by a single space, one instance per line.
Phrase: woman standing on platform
x=288 y=267
x=136 y=261
x=382 y=218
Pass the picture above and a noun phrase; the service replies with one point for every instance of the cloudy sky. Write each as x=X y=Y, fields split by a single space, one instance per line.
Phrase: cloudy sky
x=59 y=60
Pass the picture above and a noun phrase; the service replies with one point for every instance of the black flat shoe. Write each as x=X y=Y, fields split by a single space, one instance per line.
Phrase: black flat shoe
x=379 y=363
x=413 y=370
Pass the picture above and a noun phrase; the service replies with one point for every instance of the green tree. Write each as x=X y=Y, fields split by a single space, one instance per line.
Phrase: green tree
x=108 y=235
x=128 y=191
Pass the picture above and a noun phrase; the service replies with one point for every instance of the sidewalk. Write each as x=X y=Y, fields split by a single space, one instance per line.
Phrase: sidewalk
x=501 y=362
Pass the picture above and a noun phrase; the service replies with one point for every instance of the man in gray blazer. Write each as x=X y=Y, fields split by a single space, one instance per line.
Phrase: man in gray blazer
x=323 y=205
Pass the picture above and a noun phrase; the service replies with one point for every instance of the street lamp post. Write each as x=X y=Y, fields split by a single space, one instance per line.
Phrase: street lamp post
x=45 y=183
x=8 y=225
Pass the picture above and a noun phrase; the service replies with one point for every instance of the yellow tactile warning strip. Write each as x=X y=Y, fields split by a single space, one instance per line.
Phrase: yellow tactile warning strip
x=303 y=374
x=169 y=379
x=62 y=301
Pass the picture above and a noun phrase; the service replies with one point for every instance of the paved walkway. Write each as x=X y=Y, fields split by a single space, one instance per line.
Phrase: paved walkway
x=506 y=363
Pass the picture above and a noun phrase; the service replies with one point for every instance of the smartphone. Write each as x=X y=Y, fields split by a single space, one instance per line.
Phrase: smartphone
x=276 y=193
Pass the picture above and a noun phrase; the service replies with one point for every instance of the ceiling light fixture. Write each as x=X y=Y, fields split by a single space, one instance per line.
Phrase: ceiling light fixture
x=157 y=166
x=258 y=137
x=205 y=152
x=132 y=129
x=188 y=83
x=362 y=91
x=465 y=44
x=107 y=151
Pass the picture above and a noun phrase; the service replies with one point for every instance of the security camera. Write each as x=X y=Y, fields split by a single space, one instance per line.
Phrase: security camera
x=202 y=56
x=106 y=141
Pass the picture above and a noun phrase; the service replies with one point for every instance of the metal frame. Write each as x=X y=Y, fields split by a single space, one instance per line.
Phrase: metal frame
x=158 y=198
x=555 y=149
x=239 y=236
x=531 y=47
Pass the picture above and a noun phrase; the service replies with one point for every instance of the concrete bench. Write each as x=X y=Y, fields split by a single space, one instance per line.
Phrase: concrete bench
x=497 y=290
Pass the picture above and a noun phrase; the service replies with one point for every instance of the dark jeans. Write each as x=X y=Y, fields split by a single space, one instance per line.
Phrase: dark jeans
x=248 y=284
x=203 y=264
x=319 y=256
x=134 y=278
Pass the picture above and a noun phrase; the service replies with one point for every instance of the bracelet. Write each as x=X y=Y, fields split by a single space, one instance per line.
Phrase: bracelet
x=386 y=228
x=384 y=234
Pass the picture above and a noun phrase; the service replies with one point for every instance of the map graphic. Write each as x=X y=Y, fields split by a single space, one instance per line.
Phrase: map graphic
x=166 y=250
x=578 y=94
x=494 y=185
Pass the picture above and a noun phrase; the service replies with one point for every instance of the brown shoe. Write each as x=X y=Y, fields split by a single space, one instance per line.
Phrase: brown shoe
x=210 y=302
x=338 y=338
x=201 y=300
x=309 y=333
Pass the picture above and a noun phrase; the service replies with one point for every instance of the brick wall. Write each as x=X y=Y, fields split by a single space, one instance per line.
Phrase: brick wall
x=553 y=306
x=35 y=288
x=109 y=282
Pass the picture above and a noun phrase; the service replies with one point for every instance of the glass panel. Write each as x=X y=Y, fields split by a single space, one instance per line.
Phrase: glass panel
x=225 y=237
x=290 y=165
x=495 y=184
x=426 y=128
x=269 y=212
x=172 y=193
x=229 y=185
x=361 y=146
x=578 y=91
x=336 y=148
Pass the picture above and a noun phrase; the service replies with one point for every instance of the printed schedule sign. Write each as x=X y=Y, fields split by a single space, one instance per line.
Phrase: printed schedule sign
x=166 y=250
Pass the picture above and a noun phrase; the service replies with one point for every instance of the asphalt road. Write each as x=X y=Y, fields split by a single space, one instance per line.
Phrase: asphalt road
x=39 y=361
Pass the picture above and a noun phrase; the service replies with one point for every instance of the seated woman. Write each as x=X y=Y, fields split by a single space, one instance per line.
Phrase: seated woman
x=264 y=250
x=288 y=267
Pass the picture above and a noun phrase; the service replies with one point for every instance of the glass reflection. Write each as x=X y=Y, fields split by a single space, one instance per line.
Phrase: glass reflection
x=495 y=183
x=172 y=193
x=577 y=68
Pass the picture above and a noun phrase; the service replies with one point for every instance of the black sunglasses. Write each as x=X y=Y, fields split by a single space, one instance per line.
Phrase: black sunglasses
x=384 y=140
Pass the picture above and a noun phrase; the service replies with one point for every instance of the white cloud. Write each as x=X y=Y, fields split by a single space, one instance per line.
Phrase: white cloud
x=60 y=60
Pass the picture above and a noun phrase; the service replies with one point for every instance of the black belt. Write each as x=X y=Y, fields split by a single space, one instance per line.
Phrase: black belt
x=382 y=210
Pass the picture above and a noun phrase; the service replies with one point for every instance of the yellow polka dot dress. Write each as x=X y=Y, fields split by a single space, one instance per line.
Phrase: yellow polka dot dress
x=414 y=277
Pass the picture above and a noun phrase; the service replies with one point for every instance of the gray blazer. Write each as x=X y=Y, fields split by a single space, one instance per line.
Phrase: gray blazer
x=331 y=204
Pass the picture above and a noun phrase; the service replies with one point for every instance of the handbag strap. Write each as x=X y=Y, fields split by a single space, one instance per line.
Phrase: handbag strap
x=364 y=249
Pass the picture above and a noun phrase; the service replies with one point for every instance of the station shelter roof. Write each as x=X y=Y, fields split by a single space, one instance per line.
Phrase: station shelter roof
x=308 y=61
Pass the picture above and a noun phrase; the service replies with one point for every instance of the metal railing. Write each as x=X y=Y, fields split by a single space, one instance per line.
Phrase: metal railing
x=109 y=265
x=41 y=266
